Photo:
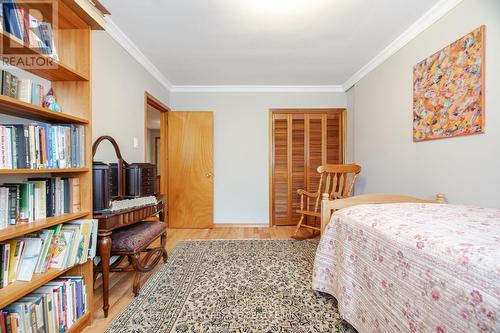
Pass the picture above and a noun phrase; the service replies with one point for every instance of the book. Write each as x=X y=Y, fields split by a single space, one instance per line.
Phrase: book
x=8 y=140
x=74 y=195
x=36 y=94
x=53 y=248
x=48 y=310
x=13 y=320
x=36 y=307
x=4 y=207
x=28 y=263
x=3 y=322
x=74 y=243
x=9 y=84
x=93 y=240
x=40 y=196
x=22 y=311
x=82 y=249
x=13 y=203
x=24 y=90
x=34 y=36
x=47 y=37
x=15 y=253
x=61 y=251
x=19 y=146
x=51 y=308
x=46 y=236
x=5 y=259
x=21 y=17
x=11 y=20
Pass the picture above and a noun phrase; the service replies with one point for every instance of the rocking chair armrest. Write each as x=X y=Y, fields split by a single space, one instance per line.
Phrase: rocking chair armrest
x=309 y=194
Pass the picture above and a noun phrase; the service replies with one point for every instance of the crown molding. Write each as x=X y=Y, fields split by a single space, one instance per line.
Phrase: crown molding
x=119 y=36
x=430 y=17
x=255 y=88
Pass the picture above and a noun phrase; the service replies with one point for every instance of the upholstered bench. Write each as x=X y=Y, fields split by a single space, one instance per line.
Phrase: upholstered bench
x=129 y=242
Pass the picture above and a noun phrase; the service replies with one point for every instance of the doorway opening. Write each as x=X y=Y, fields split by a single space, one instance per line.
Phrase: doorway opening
x=155 y=139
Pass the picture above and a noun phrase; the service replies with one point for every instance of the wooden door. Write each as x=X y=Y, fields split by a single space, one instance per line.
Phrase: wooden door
x=190 y=169
x=301 y=141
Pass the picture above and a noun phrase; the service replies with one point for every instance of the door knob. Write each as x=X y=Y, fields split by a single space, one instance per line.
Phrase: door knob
x=209 y=174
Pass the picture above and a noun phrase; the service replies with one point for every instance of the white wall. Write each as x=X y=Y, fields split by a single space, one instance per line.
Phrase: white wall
x=118 y=86
x=350 y=135
x=241 y=144
x=466 y=169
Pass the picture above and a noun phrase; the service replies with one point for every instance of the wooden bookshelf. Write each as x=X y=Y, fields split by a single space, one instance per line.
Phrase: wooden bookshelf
x=58 y=71
x=15 y=107
x=24 y=228
x=11 y=293
x=39 y=171
x=70 y=78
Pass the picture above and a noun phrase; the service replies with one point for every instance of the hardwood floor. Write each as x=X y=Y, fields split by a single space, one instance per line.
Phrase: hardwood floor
x=120 y=289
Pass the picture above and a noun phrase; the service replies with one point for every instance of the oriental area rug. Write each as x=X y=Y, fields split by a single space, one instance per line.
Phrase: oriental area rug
x=233 y=286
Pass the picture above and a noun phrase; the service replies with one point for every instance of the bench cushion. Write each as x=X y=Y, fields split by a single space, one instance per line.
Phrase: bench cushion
x=137 y=236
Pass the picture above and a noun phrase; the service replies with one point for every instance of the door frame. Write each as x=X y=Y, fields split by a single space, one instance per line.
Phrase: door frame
x=150 y=100
x=274 y=111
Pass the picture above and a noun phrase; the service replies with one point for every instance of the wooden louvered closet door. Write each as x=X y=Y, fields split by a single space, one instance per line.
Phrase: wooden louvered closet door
x=301 y=140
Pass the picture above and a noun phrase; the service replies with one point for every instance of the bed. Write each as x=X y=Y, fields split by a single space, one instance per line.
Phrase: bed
x=411 y=266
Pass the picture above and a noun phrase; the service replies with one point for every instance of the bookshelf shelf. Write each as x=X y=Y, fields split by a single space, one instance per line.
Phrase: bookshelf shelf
x=38 y=171
x=21 y=288
x=14 y=107
x=57 y=71
x=24 y=228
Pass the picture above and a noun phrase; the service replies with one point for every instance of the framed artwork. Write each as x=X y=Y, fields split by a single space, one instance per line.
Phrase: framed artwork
x=448 y=90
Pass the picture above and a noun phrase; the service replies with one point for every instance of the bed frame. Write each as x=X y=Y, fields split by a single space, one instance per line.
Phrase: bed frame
x=328 y=207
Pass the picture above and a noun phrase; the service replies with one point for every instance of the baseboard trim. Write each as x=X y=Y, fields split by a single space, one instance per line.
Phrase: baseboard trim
x=244 y=225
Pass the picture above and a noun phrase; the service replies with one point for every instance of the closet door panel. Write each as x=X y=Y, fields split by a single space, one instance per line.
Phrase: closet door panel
x=298 y=163
x=314 y=150
x=280 y=174
x=334 y=139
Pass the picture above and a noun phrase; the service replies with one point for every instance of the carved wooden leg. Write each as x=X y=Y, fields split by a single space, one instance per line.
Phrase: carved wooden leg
x=105 y=250
x=136 y=258
x=163 y=242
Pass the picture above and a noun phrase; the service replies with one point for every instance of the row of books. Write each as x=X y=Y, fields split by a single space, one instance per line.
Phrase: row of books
x=53 y=308
x=20 y=23
x=59 y=247
x=42 y=146
x=38 y=198
x=22 y=89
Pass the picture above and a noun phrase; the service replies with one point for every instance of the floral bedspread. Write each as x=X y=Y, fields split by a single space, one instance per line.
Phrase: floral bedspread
x=413 y=267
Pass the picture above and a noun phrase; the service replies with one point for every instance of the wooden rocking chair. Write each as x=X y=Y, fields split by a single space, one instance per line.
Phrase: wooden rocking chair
x=337 y=180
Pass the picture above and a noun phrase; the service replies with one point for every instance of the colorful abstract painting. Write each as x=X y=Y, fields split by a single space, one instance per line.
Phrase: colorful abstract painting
x=448 y=90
